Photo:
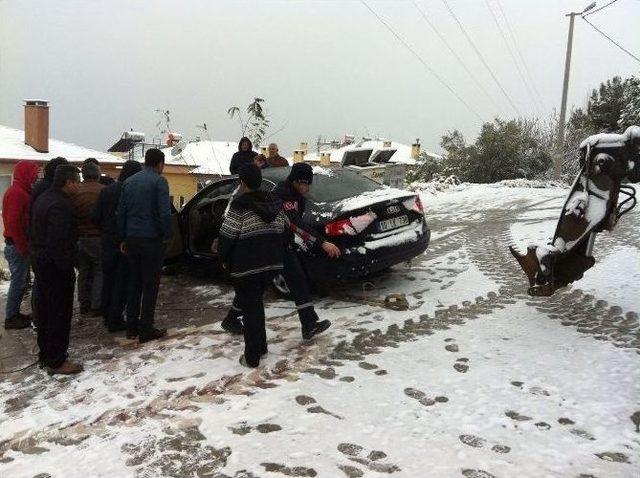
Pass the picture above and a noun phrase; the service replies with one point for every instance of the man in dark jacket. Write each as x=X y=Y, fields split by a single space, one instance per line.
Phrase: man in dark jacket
x=274 y=160
x=291 y=192
x=250 y=246
x=245 y=155
x=15 y=216
x=105 y=179
x=115 y=267
x=53 y=248
x=45 y=183
x=89 y=244
x=144 y=223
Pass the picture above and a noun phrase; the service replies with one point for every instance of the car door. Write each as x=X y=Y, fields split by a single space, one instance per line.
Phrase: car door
x=175 y=245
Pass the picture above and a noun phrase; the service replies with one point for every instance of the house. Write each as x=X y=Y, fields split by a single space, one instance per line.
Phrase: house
x=34 y=144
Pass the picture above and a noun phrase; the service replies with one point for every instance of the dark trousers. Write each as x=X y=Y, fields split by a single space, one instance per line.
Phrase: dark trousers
x=54 y=305
x=145 y=258
x=249 y=294
x=115 y=279
x=299 y=287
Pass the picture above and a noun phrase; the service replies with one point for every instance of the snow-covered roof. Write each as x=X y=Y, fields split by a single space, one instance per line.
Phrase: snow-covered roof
x=207 y=157
x=12 y=147
x=402 y=154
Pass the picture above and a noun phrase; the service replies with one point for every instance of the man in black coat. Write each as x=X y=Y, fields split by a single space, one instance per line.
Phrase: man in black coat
x=115 y=267
x=291 y=192
x=53 y=249
x=45 y=183
x=245 y=155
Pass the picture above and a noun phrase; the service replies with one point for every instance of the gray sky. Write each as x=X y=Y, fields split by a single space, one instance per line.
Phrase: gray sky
x=324 y=67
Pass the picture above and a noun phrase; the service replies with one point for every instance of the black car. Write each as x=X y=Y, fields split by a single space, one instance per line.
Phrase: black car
x=375 y=226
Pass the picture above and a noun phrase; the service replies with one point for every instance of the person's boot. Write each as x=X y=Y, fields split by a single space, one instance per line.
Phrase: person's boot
x=232 y=325
x=16 y=322
x=152 y=334
x=315 y=329
x=243 y=362
x=67 y=368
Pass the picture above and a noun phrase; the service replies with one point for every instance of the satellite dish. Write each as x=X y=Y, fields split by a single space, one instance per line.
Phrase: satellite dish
x=178 y=148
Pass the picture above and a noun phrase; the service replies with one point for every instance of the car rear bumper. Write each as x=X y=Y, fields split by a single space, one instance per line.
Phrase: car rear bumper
x=354 y=265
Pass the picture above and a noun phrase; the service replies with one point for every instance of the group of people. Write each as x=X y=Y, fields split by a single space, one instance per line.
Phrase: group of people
x=114 y=233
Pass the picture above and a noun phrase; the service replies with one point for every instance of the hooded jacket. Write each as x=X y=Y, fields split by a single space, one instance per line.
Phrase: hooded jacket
x=242 y=157
x=16 y=205
x=250 y=240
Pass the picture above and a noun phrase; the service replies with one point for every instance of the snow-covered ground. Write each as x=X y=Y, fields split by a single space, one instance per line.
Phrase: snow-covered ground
x=475 y=380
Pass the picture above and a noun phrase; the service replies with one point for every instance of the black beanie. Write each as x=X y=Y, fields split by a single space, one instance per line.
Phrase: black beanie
x=301 y=171
x=251 y=175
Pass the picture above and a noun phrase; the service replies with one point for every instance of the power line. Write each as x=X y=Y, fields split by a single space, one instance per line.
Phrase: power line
x=484 y=62
x=612 y=40
x=513 y=57
x=598 y=9
x=515 y=43
x=455 y=55
x=421 y=60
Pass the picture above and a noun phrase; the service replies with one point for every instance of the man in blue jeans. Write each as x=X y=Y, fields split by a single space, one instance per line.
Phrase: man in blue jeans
x=15 y=216
x=144 y=223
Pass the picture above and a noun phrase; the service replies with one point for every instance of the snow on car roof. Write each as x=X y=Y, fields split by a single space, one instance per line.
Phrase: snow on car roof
x=369 y=197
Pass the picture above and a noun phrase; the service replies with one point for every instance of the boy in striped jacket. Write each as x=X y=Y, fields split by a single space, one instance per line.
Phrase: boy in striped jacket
x=251 y=248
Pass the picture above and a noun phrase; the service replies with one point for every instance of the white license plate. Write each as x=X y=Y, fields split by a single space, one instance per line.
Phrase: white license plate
x=392 y=223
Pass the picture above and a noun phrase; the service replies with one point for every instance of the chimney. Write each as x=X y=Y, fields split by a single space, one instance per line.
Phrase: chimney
x=304 y=147
x=415 y=149
x=36 y=124
x=386 y=144
x=298 y=156
x=325 y=159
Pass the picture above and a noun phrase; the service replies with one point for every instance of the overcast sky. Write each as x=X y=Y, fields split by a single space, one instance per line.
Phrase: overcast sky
x=324 y=67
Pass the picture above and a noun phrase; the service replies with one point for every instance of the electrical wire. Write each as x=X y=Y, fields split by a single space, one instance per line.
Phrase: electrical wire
x=442 y=38
x=601 y=8
x=513 y=57
x=520 y=55
x=484 y=62
x=422 y=61
x=612 y=40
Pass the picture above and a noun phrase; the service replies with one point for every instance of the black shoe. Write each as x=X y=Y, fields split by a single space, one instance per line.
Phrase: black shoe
x=132 y=334
x=152 y=334
x=315 y=329
x=95 y=313
x=16 y=322
x=117 y=327
x=243 y=362
x=232 y=326
x=25 y=316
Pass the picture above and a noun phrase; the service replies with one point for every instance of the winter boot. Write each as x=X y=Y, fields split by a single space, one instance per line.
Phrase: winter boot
x=315 y=329
x=17 y=322
x=152 y=334
x=67 y=368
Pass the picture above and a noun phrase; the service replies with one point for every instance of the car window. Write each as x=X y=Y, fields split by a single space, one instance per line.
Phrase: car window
x=218 y=190
x=340 y=184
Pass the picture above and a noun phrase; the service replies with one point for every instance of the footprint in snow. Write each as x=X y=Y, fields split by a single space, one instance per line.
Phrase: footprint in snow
x=289 y=471
x=373 y=461
x=472 y=473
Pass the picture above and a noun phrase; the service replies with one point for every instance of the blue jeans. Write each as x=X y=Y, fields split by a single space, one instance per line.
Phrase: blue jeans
x=19 y=268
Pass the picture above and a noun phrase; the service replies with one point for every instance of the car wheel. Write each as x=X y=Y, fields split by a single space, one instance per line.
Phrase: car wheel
x=281 y=287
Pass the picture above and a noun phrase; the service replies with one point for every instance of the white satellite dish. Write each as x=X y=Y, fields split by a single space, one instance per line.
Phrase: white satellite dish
x=178 y=148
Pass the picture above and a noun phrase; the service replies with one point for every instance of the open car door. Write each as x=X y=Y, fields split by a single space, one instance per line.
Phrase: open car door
x=175 y=245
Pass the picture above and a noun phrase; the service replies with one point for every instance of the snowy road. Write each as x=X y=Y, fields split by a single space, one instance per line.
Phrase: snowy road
x=476 y=380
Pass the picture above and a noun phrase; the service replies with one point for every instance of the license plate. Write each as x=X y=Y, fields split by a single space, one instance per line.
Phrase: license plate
x=392 y=223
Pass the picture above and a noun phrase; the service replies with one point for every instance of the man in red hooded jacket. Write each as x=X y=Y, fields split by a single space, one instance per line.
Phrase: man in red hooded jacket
x=15 y=215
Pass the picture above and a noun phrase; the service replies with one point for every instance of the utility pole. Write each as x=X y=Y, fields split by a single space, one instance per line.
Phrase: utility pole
x=557 y=170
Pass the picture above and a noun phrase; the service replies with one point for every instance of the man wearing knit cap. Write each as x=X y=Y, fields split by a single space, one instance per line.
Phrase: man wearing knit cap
x=251 y=249
x=89 y=247
x=292 y=193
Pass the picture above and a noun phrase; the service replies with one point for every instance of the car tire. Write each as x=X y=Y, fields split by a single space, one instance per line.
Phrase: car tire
x=280 y=286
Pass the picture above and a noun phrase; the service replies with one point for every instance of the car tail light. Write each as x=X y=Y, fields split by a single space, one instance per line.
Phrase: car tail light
x=414 y=204
x=339 y=228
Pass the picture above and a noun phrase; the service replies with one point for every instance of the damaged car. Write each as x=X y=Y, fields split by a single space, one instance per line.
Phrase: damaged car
x=375 y=226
